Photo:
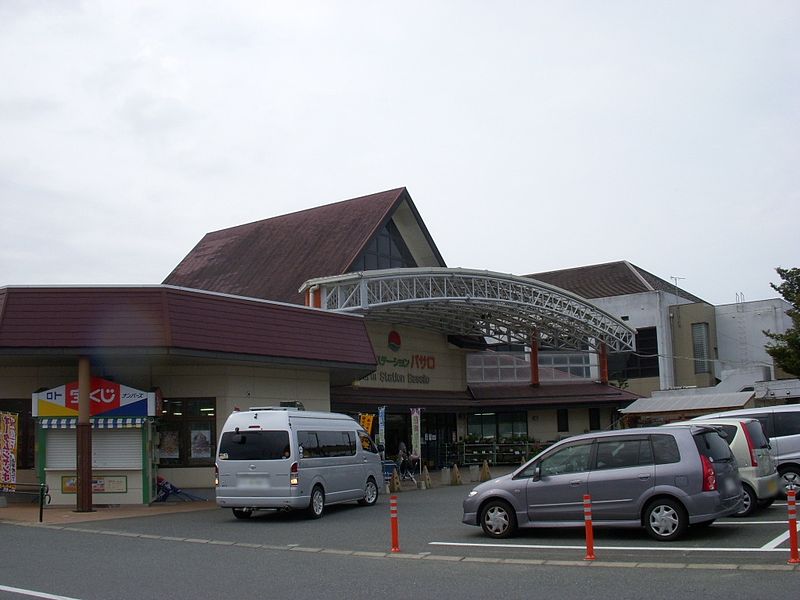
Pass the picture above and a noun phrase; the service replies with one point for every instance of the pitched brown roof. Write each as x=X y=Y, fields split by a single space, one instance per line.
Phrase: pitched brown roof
x=609 y=279
x=178 y=321
x=272 y=258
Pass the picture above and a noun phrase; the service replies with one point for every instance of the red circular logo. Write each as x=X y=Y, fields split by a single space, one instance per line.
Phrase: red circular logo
x=394 y=341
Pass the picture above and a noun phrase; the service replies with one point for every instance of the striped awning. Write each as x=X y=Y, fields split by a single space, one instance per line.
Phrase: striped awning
x=97 y=423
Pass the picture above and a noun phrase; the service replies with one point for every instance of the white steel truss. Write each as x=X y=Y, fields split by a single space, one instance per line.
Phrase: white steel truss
x=501 y=307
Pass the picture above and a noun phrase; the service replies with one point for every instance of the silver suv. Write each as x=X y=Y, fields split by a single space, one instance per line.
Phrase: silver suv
x=659 y=478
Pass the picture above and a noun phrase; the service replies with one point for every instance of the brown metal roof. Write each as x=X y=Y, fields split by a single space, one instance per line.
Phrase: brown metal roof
x=272 y=258
x=609 y=279
x=77 y=319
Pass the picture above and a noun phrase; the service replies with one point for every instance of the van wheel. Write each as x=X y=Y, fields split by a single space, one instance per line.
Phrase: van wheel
x=498 y=519
x=790 y=476
x=749 y=502
x=242 y=513
x=370 y=493
x=317 y=504
x=665 y=520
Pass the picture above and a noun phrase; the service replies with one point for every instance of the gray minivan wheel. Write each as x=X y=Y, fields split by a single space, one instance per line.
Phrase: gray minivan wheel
x=316 y=505
x=370 y=493
x=665 y=520
x=498 y=519
x=749 y=502
x=242 y=513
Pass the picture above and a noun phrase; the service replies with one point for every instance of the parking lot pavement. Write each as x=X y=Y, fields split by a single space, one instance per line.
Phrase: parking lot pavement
x=430 y=528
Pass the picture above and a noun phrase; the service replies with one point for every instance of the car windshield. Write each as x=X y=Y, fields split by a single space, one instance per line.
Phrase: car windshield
x=710 y=444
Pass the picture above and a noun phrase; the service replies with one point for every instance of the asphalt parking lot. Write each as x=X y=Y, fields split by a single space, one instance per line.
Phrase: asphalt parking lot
x=430 y=527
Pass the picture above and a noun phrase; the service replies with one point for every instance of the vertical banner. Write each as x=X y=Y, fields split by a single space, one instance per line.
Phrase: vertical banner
x=416 y=444
x=8 y=451
x=382 y=425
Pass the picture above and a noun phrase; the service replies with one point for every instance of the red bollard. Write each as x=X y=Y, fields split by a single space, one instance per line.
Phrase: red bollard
x=587 y=517
x=393 y=517
x=790 y=501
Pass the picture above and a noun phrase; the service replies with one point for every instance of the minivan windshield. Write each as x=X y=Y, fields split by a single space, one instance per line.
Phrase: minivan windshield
x=710 y=444
x=253 y=445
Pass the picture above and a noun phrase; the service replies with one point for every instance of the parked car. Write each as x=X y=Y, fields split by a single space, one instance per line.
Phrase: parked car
x=782 y=426
x=662 y=479
x=750 y=447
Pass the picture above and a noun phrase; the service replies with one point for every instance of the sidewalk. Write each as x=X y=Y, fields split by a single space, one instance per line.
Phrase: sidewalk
x=28 y=512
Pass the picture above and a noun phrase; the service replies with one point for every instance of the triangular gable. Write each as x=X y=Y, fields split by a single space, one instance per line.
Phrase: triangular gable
x=272 y=258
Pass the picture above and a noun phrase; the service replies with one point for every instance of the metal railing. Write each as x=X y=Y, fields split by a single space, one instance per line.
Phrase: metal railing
x=42 y=490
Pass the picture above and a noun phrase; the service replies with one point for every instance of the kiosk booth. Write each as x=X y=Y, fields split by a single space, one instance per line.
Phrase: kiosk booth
x=123 y=442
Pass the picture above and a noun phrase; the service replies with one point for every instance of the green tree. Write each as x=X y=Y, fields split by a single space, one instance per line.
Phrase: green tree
x=785 y=348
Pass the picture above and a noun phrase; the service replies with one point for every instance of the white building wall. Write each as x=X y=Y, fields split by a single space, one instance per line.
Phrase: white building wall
x=648 y=309
x=740 y=337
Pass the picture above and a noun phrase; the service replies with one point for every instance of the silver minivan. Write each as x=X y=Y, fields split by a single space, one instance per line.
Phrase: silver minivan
x=782 y=426
x=662 y=479
x=278 y=458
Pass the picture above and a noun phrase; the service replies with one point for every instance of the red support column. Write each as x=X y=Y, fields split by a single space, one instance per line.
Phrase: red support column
x=534 y=358
x=84 y=438
x=603 y=355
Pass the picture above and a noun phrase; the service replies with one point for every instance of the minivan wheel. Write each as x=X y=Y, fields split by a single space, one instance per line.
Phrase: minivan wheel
x=665 y=520
x=790 y=476
x=498 y=519
x=317 y=504
x=749 y=502
x=370 y=493
x=242 y=513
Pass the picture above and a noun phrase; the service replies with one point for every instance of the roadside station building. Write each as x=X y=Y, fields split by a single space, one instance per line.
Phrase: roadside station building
x=347 y=307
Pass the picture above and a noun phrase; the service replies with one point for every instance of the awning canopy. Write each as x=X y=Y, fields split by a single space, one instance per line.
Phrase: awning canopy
x=698 y=401
x=463 y=302
x=97 y=423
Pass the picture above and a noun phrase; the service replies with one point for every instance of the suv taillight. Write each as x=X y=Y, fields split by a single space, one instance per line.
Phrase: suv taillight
x=216 y=476
x=753 y=458
x=294 y=474
x=709 y=477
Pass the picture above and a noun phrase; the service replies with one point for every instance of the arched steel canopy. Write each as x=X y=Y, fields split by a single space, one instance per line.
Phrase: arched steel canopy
x=505 y=308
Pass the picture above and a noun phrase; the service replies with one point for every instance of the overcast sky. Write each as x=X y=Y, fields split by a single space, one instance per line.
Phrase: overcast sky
x=532 y=136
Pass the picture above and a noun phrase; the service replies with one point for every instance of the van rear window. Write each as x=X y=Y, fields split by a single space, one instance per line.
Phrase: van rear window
x=756 y=432
x=710 y=444
x=253 y=445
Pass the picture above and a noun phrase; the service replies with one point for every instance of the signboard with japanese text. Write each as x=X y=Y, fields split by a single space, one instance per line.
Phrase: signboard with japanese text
x=101 y=484
x=106 y=398
x=408 y=358
x=416 y=442
x=9 y=430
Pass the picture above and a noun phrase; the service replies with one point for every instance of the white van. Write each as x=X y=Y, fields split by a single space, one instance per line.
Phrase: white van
x=279 y=458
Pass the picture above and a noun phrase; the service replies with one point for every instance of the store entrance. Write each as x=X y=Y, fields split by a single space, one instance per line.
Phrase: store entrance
x=437 y=432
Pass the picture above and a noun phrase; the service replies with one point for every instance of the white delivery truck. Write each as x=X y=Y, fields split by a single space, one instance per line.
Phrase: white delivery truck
x=283 y=458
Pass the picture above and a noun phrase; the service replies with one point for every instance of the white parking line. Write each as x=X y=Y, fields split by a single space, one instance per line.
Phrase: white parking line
x=582 y=547
x=779 y=540
x=22 y=592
